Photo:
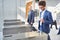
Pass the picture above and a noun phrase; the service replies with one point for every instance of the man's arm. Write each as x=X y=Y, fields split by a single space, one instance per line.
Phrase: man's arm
x=50 y=20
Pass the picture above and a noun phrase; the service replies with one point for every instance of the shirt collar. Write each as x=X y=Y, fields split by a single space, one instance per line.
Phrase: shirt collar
x=43 y=11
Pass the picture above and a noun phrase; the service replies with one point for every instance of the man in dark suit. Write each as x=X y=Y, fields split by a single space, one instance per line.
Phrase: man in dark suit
x=45 y=18
x=30 y=19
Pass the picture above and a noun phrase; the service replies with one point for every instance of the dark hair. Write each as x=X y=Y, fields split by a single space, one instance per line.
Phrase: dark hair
x=42 y=3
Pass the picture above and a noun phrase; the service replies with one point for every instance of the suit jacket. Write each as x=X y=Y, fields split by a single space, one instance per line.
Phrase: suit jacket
x=47 y=20
x=31 y=17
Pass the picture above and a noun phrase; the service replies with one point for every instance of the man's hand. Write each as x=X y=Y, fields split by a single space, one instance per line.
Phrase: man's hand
x=42 y=20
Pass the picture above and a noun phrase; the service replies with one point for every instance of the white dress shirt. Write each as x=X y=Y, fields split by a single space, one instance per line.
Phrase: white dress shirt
x=42 y=15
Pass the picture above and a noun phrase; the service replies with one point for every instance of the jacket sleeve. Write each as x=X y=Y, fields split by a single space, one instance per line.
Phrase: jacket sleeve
x=50 y=20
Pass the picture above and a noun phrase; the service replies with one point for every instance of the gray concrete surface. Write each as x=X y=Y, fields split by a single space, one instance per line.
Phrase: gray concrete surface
x=53 y=34
x=16 y=30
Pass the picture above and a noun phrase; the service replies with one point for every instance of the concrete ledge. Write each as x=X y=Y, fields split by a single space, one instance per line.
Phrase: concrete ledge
x=14 y=26
x=26 y=36
x=20 y=35
x=16 y=29
x=12 y=20
x=13 y=23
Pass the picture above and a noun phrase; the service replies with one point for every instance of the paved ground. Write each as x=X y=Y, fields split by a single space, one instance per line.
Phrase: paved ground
x=53 y=34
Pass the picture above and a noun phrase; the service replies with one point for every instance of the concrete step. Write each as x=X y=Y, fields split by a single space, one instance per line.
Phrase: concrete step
x=20 y=36
x=39 y=36
x=12 y=20
x=13 y=23
x=14 y=26
x=33 y=38
x=15 y=30
x=26 y=36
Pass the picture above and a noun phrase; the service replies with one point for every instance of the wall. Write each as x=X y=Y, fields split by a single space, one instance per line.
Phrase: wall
x=21 y=9
x=10 y=9
x=1 y=20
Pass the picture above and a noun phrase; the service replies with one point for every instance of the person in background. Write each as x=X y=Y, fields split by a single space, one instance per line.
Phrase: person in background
x=54 y=23
x=45 y=18
x=30 y=19
x=54 y=20
x=58 y=32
